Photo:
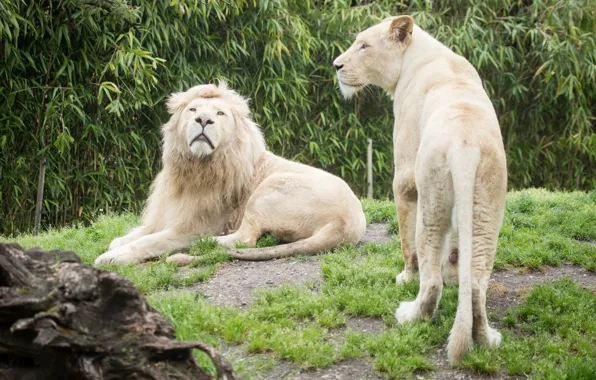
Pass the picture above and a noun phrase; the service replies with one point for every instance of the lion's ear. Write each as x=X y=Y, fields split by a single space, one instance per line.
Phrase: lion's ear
x=176 y=102
x=401 y=29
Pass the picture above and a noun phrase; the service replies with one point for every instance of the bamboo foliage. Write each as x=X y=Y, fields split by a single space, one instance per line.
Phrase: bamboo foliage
x=83 y=84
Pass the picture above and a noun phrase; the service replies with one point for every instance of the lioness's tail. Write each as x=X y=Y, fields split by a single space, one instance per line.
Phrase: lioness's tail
x=463 y=162
x=324 y=239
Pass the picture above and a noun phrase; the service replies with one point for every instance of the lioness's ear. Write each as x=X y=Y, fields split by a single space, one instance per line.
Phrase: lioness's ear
x=401 y=28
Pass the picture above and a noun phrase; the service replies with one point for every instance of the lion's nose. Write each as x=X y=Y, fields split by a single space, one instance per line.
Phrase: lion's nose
x=204 y=121
x=337 y=67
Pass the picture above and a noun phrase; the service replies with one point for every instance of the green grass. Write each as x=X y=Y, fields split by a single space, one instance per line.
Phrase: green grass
x=294 y=323
x=551 y=335
x=545 y=337
x=546 y=228
x=380 y=211
x=540 y=228
x=87 y=241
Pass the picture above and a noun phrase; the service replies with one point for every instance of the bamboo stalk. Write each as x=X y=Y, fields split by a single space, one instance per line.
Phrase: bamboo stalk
x=40 y=185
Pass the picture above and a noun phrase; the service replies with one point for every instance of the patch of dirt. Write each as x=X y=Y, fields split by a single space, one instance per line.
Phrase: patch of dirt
x=510 y=288
x=349 y=369
x=365 y=324
x=234 y=283
x=444 y=371
x=587 y=241
x=377 y=233
x=346 y=370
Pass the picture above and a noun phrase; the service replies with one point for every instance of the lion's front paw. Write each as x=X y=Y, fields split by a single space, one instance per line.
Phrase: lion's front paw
x=115 y=244
x=121 y=256
x=406 y=276
x=104 y=259
x=407 y=312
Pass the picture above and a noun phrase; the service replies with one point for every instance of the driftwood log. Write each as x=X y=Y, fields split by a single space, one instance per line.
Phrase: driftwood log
x=60 y=319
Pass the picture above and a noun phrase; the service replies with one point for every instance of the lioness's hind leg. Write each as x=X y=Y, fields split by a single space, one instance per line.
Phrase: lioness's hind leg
x=487 y=216
x=482 y=333
x=432 y=241
x=450 y=256
x=435 y=203
x=406 y=218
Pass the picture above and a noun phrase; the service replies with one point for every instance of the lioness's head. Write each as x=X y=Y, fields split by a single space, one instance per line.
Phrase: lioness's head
x=208 y=119
x=375 y=57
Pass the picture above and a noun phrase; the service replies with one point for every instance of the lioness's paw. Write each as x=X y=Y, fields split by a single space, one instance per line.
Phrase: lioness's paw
x=407 y=312
x=405 y=276
x=494 y=337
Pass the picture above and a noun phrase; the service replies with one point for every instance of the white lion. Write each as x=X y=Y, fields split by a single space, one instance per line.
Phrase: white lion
x=218 y=177
x=450 y=168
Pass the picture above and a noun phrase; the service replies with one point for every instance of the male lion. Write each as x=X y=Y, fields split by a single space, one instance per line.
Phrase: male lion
x=450 y=169
x=217 y=177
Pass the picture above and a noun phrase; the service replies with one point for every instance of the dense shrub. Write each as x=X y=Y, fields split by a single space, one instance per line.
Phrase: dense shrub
x=83 y=84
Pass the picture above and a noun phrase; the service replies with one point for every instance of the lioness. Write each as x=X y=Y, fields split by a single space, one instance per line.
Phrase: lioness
x=217 y=177
x=450 y=169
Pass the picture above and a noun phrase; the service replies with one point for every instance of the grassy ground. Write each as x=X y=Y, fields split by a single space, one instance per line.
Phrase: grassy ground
x=552 y=334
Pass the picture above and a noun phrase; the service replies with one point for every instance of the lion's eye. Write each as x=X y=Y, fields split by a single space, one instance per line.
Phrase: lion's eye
x=220 y=113
x=363 y=46
x=192 y=109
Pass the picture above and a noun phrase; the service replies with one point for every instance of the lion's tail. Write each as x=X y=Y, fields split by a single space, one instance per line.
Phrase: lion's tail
x=324 y=239
x=463 y=162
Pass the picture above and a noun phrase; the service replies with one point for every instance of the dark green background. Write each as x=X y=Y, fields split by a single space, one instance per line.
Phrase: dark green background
x=83 y=83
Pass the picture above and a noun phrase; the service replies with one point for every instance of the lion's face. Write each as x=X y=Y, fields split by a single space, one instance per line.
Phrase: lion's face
x=206 y=125
x=206 y=119
x=375 y=57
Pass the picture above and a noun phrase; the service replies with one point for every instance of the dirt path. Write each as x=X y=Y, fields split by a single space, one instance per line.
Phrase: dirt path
x=350 y=369
x=235 y=284
x=507 y=289
x=377 y=233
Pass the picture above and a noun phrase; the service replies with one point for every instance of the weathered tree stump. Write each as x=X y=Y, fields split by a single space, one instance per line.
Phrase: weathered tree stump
x=60 y=319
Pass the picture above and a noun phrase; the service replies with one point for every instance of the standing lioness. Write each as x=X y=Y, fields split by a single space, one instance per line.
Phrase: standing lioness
x=218 y=177
x=450 y=169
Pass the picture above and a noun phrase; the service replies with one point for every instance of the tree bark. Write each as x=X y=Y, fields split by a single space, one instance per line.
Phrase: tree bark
x=60 y=319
